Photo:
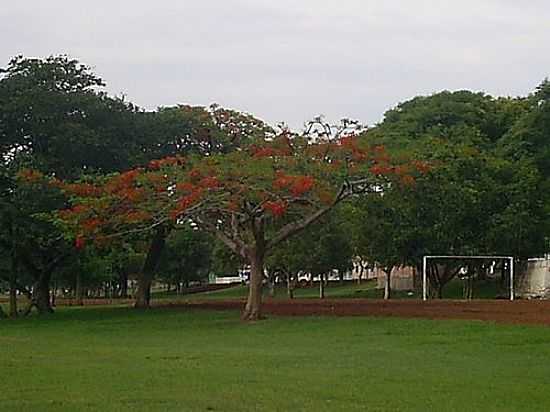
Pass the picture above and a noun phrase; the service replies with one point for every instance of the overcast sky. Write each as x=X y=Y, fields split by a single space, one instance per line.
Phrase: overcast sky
x=288 y=60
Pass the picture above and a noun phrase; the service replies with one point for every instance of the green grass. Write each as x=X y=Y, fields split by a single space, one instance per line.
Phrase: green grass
x=118 y=359
x=367 y=289
x=334 y=290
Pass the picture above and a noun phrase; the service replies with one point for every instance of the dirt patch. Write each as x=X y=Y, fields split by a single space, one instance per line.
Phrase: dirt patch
x=93 y=302
x=502 y=311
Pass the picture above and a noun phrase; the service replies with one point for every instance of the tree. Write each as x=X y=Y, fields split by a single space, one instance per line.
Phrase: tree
x=53 y=112
x=481 y=196
x=186 y=257
x=54 y=119
x=251 y=200
x=460 y=116
x=323 y=249
x=528 y=141
x=184 y=129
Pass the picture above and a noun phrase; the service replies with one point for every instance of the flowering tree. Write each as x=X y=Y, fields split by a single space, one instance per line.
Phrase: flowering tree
x=251 y=199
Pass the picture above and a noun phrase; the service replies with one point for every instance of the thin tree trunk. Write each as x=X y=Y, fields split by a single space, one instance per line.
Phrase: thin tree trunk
x=13 y=302
x=289 y=286
x=387 y=284
x=272 y=286
x=143 y=292
x=78 y=290
x=252 y=310
x=321 y=287
x=54 y=295
x=13 y=291
x=502 y=276
x=123 y=280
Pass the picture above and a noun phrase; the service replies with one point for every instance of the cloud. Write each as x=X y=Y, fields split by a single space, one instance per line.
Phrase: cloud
x=289 y=60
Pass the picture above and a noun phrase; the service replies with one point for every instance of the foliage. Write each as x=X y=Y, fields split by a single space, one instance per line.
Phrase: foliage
x=186 y=257
x=325 y=247
x=278 y=181
x=53 y=113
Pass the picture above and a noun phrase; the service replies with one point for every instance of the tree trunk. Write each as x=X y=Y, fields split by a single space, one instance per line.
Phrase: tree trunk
x=123 y=280
x=143 y=292
x=13 y=302
x=41 y=294
x=79 y=296
x=440 y=291
x=13 y=292
x=145 y=279
x=252 y=310
x=321 y=287
x=387 y=284
x=289 y=286
x=54 y=295
x=272 y=286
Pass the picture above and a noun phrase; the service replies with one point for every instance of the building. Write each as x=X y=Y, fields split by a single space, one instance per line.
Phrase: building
x=535 y=283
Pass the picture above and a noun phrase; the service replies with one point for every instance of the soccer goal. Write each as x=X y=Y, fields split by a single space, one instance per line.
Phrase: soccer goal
x=509 y=259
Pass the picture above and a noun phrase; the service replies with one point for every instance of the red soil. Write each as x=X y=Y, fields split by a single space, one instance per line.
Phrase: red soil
x=502 y=311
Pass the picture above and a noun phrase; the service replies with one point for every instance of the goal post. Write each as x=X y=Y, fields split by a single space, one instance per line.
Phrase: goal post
x=425 y=259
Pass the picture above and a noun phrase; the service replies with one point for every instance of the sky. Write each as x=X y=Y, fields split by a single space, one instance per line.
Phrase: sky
x=285 y=60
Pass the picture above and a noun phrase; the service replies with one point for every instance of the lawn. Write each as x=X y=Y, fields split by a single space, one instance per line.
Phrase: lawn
x=367 y=289
x=334 y=290
x=118 y=359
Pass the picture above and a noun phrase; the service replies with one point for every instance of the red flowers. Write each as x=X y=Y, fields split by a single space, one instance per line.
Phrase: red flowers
x=29 y=175
x=276 y=208
x=80 y=242
x=380 y=169
x=298 y=185
x=301 y=185
x=422 y=167
x=407 y=180
x=82 y=189
x=185 y=187
x=195 y=174
x=76 y=211
x=210 y=182
x=265 y=152
x=271 y=151
x=137 y=216
x=89 y=225
x=348 y=141
x=167 y=161
x=154 y=164
x=185 y=202
x=282 y=181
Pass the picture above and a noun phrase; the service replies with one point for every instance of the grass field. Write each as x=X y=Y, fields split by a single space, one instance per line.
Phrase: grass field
x=335 y=290
x=367 y=289
x=117 y=359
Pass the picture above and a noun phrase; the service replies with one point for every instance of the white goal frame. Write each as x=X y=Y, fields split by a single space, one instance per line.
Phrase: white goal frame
x=510 y=259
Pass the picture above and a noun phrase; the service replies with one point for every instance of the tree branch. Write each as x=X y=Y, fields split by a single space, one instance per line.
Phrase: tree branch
x=236 y=245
